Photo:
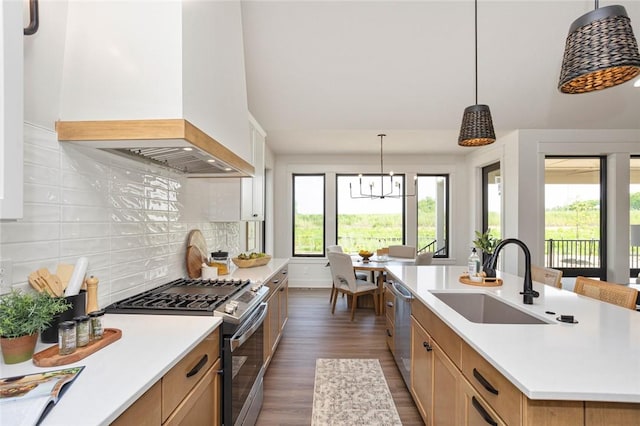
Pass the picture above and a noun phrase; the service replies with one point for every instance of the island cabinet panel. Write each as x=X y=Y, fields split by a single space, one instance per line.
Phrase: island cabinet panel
x=556 y=413
x=422 y=370
x=447 y=339
x=497 y=390
x=475 y=411
x=145 y=411
x=446 y=382
x=611 y=413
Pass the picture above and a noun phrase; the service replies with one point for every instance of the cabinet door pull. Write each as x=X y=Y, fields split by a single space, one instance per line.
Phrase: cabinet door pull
x=427 y=346
x=388 y=333
x=390 y=304
x=484 y=382
x=480 y=409
x=199 y=365
x=34 y=20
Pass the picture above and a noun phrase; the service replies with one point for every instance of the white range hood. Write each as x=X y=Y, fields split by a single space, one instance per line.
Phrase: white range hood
x=158 y=81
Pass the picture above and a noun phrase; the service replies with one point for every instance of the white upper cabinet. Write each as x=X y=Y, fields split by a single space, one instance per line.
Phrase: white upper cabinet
x=139 y=60
x=253 y=187
x=11 y=109
x=241 y=199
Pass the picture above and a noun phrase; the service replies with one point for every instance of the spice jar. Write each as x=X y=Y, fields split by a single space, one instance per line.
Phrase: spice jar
x=67 y=337
x=82 y=330
x=220 y=259
x=96 y=325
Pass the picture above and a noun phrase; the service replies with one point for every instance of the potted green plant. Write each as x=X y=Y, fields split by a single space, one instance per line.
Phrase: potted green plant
x=22 y=316
x=486 y=242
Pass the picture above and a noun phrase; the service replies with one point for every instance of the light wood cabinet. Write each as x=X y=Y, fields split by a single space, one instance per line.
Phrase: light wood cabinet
x=422 y=370
x=453 y=384
x=475 y=411
x=188 y=394
x=277 y=313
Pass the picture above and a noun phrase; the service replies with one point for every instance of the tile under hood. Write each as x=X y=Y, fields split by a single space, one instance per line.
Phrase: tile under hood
x=173 y=143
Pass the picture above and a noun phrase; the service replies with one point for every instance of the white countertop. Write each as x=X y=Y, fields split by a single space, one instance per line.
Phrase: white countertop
x=597 y=359
x=118 y=374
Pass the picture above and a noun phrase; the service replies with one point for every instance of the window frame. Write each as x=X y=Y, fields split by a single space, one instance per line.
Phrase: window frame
x=447 y=233
x=293 y=215
x=404 y=204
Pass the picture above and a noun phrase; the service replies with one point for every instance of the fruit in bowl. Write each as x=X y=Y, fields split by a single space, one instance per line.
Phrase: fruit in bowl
x=365 y=255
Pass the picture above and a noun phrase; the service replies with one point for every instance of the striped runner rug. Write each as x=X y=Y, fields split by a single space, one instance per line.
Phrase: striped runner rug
x=352 y=392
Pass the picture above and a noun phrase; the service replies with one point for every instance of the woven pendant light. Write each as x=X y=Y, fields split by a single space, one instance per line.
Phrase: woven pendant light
x=600 y=52
x=477 y=126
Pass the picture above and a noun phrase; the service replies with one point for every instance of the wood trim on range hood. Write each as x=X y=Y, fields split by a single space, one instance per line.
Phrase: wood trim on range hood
x=169 y=137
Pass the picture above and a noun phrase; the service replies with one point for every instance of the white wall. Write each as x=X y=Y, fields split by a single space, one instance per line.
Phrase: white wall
x=129 y=219
x=312 y=272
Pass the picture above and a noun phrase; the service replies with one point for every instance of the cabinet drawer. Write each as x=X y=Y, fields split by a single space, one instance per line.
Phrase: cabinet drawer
x=446 y=338
x=494 y=388
x=184 y=375
x=475 y=410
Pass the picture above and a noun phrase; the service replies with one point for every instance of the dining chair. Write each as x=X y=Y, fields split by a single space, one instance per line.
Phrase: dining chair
x=345 y=282
x=359 y=275
x=424 y=258
x=548 y=276
x=408 y=252
x=607 y=292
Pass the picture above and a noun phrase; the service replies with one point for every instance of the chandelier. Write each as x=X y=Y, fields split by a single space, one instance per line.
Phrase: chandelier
x=395 y=190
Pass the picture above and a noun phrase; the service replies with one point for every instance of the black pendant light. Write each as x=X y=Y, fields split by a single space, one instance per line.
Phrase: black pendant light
x=477 y=126
x=600 y=52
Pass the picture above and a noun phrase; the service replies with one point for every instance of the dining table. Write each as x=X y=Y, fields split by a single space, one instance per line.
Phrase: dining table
x=376 y=265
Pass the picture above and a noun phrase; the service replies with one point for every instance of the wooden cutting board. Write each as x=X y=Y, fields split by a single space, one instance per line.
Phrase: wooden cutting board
x=196 y=239
x=194 y=262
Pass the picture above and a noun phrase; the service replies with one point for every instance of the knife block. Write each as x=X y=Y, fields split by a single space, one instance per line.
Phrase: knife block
x=78 y=307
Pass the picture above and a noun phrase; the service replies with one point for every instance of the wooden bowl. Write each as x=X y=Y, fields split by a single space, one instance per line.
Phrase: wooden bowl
x=250 y=263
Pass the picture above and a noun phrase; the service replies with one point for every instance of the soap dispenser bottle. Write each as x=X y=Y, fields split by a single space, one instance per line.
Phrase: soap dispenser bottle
x=474 y=266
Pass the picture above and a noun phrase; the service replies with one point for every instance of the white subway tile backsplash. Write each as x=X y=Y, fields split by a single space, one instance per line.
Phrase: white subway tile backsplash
x=43 y=194
x=130 y=219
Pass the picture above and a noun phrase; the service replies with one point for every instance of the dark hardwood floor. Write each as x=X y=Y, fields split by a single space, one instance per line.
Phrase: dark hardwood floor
x=312 y=332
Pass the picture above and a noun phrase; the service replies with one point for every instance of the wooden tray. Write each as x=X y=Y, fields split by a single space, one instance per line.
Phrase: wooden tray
x=50 y=357
x=490 y=282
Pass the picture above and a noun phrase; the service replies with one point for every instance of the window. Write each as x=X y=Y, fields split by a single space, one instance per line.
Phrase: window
x=368 y=223
x=575 y=218
x=634 y=216
x=308 y=215
x=492 y=200
x=433 y=214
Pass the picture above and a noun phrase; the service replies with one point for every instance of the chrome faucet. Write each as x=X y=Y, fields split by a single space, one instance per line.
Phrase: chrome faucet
x=528 y=293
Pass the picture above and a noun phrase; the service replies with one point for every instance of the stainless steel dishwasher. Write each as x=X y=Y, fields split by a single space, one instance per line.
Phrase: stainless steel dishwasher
x=402 y=325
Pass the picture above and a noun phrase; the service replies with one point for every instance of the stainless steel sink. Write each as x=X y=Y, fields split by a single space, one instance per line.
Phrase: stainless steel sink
x=485 y=309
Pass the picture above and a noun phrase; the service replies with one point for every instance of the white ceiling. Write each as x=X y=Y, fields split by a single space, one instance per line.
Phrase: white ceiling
x=327 y=77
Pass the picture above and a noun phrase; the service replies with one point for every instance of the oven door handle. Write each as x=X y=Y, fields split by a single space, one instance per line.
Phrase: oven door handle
x=253 y=323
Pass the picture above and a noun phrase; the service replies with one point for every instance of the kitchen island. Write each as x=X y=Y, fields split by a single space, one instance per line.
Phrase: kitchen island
x=592 y=363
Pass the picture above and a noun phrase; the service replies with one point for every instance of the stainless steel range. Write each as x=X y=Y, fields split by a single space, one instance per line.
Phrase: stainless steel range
x=241 y=305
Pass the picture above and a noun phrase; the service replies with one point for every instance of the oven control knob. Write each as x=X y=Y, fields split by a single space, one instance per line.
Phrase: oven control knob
x=256 y=287
x=230 y=307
